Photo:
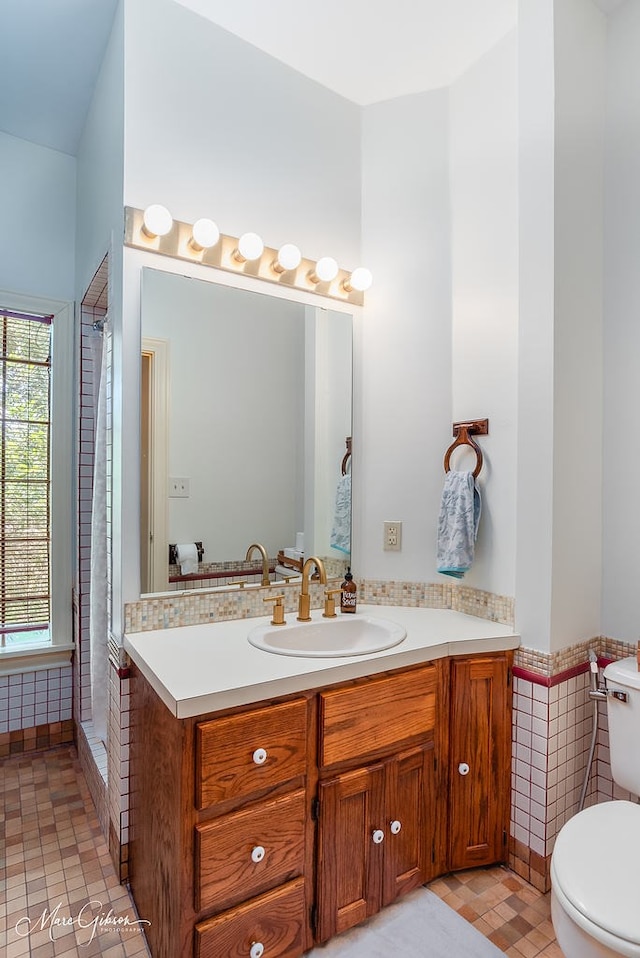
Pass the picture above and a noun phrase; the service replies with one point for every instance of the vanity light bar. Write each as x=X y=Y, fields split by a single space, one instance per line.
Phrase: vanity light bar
x=154 y=230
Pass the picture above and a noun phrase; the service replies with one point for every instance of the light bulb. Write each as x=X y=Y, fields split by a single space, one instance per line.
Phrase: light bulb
x=250 y=247
x=361 y=279
x=289 y=257
x=325 y=270
x=204 y=234
x=156 y=220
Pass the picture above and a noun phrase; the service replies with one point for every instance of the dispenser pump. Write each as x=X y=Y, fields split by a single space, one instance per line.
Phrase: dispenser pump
x=349 y=589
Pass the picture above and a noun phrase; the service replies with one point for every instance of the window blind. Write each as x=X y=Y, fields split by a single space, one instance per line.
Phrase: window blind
x=25 y=430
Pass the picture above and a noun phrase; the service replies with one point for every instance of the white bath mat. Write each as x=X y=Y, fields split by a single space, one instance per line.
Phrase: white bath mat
x=419 y=925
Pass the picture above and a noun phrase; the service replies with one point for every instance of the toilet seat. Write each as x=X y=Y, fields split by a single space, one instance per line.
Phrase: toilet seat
x=594 y=874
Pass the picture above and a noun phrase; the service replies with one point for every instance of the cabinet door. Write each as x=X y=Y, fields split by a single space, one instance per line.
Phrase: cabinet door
x=410 y=821
x=479 y=757
x=350 y=861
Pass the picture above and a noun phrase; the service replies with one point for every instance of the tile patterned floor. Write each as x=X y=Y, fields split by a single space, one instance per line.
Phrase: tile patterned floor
x=59 y=896
x=515 y=916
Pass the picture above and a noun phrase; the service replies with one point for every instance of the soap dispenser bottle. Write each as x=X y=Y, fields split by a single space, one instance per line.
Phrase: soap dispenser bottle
x=348 y=596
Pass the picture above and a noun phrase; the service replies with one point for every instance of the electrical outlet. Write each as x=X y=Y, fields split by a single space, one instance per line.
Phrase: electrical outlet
x=179 y=488
x=392 y=536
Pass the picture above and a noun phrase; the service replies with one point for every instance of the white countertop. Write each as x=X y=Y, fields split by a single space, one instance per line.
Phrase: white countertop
x=204 y=668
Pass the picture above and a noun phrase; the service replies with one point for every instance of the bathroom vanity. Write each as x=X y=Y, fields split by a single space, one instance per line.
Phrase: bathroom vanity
x=264 y=823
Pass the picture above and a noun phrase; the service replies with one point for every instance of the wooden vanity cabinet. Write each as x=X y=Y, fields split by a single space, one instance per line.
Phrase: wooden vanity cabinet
x=284 y=823
x=480 y=760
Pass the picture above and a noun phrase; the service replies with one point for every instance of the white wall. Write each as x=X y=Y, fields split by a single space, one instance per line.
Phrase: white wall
x=215 y=127
x=37 y=210
x=100 y=166
x=484 y=249
x=535 y=334
x=580 y=36
x=100 y=214
x=621 y=557
x=561 y=60
x=403 y=351
x=99 y=228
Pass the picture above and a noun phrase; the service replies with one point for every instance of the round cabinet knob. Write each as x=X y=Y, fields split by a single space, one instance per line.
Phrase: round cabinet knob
x=257 y=950
x=260 y=756
x=463 y=768
x=378 y=836
x=257 y=853
x=395 y=827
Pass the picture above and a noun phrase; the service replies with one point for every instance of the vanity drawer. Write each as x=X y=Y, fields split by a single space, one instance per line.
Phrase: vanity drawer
x=363 y=720
x=244 y=754
x=276 y=920
x=245 y=853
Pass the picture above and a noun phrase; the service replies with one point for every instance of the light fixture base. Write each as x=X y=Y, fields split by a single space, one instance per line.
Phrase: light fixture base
x=177 y=244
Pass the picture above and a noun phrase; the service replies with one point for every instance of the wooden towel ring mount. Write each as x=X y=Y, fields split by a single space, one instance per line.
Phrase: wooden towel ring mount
x=464 y=432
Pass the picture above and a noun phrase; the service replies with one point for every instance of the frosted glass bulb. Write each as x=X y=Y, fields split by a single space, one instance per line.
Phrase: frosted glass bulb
x=250 y=246
x=157 y=220
x=289 y=256
x=361 y=279
x=326 y=269
x=205 y=233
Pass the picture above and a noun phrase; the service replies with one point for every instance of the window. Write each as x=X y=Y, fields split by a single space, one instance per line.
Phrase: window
x=35 y=484
x=25 y=409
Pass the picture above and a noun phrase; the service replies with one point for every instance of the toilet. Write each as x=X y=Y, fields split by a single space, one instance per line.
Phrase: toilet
x=595 y=866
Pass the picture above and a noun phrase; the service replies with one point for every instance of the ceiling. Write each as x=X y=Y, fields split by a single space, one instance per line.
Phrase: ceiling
x=52 y=50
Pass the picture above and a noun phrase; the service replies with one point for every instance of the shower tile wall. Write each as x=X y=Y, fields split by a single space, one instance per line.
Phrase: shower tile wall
x=86 y=449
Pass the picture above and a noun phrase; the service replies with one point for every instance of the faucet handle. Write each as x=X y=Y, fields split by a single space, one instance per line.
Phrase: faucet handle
x=330 y=603
x=278 y=609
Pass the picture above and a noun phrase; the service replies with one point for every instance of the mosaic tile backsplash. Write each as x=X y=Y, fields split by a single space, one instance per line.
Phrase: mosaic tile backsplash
x=193 y=608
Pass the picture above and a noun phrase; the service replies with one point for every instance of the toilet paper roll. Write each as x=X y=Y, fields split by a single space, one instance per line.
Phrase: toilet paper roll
x=187 y=557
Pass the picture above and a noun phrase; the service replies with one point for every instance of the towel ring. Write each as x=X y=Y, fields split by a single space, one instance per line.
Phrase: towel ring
x=464 y=439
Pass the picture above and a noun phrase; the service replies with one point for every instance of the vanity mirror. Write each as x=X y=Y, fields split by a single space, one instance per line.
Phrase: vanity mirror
x=246 y=406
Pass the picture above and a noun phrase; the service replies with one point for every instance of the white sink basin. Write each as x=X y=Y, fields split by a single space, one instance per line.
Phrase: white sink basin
x=326 y=638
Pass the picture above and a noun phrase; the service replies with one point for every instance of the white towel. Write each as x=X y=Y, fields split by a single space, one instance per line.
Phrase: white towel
x=458 y=524
x=187 y=557
x=341 y=532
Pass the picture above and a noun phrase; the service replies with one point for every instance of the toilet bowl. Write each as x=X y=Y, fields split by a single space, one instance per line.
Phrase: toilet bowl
x=595 y=900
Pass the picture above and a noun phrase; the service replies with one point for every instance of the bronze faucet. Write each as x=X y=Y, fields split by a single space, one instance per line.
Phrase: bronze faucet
x=304 y=602
x=265 y=560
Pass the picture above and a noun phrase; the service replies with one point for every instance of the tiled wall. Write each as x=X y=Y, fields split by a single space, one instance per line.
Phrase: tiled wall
x=90 y=345
x=552 y=729
x=35 y=709
x=118 y=763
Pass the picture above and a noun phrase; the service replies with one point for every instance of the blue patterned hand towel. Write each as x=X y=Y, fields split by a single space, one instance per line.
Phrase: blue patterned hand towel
x=341 y=531
x=458 y=524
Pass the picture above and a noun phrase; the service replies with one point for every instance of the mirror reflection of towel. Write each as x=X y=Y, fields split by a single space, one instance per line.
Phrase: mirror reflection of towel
x=460 y=509
x=341 y=532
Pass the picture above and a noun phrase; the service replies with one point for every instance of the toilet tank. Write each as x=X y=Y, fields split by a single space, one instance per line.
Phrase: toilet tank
x=624 y=723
